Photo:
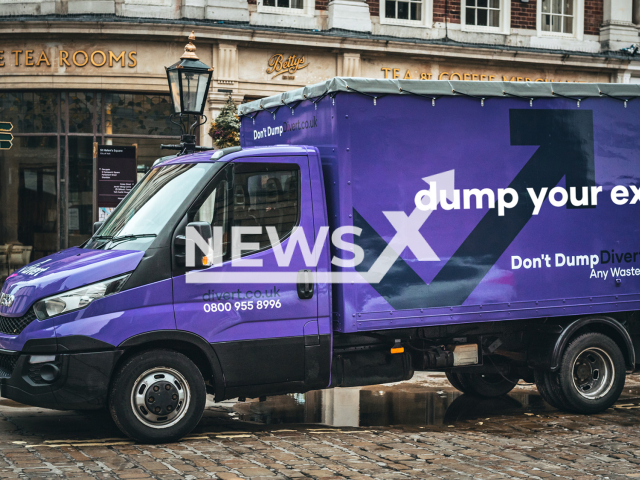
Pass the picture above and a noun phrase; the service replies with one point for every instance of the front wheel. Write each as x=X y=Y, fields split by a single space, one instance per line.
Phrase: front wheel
x=157 y=396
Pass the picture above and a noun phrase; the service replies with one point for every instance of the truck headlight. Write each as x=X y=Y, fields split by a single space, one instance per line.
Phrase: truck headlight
x=78 y=298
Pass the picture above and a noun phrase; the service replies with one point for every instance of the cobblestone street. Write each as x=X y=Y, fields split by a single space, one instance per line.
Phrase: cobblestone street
x=425 y=430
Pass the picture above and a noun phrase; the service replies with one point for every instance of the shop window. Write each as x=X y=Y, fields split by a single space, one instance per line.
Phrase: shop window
x=80 y=190
x=82 y=106
x=147 y=150
x=138 y=114
x=46 y=192
x=557 y=16
x=28 y=198
x=30 y=112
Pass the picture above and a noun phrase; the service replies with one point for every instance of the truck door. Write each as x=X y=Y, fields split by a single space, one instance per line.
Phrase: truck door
x=257 y=326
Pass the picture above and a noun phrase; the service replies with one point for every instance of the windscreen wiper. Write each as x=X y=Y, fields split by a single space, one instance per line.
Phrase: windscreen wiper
x=125 y=238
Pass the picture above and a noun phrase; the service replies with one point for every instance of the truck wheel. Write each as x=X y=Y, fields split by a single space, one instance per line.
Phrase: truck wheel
x=592 y=373
x=547 y=385
x=157 y=396
x=455 y=381
x=481 y=385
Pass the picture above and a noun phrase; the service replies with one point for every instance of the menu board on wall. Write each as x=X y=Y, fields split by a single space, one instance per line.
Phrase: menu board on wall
x=116 y=176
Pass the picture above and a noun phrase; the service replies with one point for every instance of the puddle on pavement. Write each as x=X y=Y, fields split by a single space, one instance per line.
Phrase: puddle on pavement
x=384 y=406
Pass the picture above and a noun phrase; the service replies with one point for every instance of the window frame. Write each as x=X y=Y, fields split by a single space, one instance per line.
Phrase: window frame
x=426 y=22
x=505 y=20
x=307 y=10
x=578 y=22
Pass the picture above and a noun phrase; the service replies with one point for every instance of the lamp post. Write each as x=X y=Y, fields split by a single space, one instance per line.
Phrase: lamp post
x=189 y=81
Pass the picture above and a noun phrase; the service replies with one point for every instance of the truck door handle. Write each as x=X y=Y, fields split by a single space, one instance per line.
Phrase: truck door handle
x=305 y=284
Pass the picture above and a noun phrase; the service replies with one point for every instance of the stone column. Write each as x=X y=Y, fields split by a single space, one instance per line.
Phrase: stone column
x=349 y=65
x=223 y=84
x=618 y=30
x=349 y=15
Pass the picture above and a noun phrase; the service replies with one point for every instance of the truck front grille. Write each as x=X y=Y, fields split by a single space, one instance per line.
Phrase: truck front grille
x=7 y=364
x=15 y=325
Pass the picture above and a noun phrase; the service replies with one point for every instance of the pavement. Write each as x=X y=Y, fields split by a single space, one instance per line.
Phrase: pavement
x=417 y=429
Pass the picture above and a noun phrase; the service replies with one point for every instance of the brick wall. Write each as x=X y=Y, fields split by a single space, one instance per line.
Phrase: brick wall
x=322 y=4
x=374 y=7
x=593 y=16
x=454 y=11
x=252 y=2
x=523 y=15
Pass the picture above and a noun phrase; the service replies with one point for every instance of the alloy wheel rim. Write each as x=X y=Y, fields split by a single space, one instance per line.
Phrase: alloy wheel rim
x=160 y=397
x=593 y=373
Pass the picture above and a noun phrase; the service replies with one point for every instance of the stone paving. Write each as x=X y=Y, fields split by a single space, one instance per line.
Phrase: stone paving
x=530 y=440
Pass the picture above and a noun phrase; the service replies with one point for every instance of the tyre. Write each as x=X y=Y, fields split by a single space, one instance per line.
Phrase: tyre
x=455 y=381
x=486 y=385
x=157 y=396
x=592 y=373
x=549 y=390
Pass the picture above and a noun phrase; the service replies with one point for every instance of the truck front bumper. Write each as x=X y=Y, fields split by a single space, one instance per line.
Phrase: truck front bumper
x=70 y=381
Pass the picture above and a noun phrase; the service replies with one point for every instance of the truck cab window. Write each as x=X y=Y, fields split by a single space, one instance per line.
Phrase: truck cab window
x=266 y=195
x=260 y=195
x=215 y=210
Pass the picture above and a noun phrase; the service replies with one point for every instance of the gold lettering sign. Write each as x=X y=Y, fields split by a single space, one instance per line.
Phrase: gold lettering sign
x=71 y=58
x=394 y=73
x=291 y=65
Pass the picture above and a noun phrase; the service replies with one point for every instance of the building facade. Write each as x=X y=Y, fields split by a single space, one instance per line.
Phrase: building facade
x=78 y=72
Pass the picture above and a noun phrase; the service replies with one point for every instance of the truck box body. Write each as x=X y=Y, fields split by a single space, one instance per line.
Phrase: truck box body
x=380 y=145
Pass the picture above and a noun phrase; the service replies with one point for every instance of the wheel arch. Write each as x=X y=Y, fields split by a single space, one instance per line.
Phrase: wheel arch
x=193 y=346
x=608 y=326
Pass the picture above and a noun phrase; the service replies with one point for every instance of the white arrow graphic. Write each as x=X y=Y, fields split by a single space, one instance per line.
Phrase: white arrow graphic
x=408 y=232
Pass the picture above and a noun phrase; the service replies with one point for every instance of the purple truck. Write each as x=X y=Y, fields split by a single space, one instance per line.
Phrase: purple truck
x=365 y=230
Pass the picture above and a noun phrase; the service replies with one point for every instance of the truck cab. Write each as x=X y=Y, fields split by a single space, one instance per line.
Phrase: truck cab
x=119 y=314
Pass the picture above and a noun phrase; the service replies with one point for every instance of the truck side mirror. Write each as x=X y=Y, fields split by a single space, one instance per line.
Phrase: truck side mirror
x=97 y=225
x=200 y=247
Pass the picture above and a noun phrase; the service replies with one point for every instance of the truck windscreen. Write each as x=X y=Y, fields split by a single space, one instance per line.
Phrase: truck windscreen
x=148 y=207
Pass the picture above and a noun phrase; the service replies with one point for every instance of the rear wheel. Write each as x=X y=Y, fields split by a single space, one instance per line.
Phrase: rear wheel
x=486 y=385
x=455 y=381
x=157 y=396
x=547 y=385
x=592 y=373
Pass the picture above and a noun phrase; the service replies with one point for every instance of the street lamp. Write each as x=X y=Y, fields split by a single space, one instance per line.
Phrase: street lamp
x=189 y=81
